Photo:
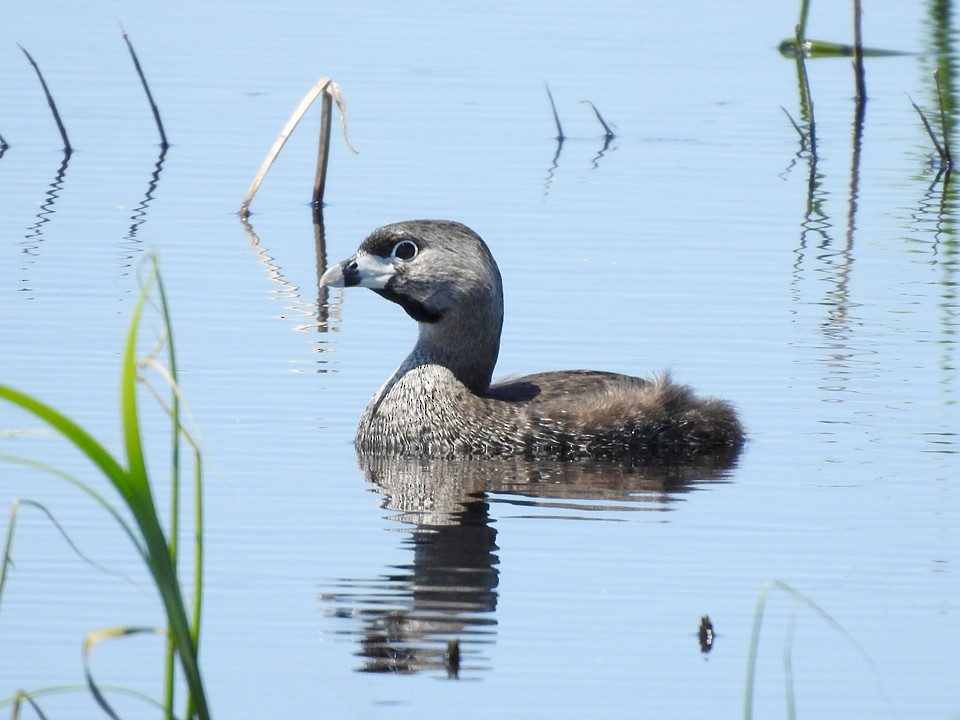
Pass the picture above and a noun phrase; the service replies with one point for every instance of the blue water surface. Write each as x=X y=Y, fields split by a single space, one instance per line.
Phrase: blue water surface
x=819 y=297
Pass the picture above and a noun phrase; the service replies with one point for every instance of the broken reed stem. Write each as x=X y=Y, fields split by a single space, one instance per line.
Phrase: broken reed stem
x=328 y=88
x=946 y=155
x=556 y=116
x=858 y=53
x=146 y=88
x=609 y=133
x=53 y=106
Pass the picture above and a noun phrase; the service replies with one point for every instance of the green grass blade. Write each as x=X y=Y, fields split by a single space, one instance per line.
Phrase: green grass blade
x=92 y=639
x=754 y=649
x=169 y=675
x=25 y=502
x=20 y=697
x=72 y=432
x=159 y=558
x=49 y=469
x=133 y=484
x=825 y=617
x=79 y=687
x=128 y=411
x=7 y=545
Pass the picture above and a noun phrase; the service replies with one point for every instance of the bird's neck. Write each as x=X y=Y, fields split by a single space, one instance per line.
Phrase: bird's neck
x=467 y=343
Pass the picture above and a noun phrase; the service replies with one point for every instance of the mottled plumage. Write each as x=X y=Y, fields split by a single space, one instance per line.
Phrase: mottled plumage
x=440 y=403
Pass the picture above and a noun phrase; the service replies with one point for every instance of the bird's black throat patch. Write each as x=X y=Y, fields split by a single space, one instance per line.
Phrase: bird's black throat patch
x=414 y=308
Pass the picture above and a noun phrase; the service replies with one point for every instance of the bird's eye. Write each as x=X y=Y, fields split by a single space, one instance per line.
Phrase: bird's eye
x=405 y=250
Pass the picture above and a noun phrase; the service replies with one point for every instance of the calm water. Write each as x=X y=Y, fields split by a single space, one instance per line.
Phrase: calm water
x=695 y=241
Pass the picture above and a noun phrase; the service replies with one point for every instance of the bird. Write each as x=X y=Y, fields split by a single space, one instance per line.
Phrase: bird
x=441 y=401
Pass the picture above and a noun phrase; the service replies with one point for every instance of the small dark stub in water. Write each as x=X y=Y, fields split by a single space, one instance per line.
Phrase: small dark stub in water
x=706 y=634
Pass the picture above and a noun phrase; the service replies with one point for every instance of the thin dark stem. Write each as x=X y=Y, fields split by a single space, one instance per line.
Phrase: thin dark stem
x=331 y=92
x=933 y=137
x=323 y=153
x=53 y=106
x=146 y=88
x=610 y=134
x=556 y=116
x=858 y=53
x=945 y=154
x=807 y=96
x=802 y=25
x=803 y=137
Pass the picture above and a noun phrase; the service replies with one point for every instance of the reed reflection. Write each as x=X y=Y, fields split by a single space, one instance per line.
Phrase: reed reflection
x=941 y=46
x=320 y=313
x=933 y=226
x=139 y=215
x=407 y=619
x=815 y=221
x=34 y=236
x=833 y=263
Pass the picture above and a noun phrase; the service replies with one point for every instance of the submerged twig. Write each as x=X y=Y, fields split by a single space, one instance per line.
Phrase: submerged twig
x=53 y=106
x=609 y=133
x=331 y=91
x=146 y=88
x=556 y=116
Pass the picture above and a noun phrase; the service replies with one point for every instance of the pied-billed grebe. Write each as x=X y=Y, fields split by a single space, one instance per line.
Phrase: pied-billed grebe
x=440 y=403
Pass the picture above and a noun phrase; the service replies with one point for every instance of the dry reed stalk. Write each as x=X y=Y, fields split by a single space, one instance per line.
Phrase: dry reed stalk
x=331 y=92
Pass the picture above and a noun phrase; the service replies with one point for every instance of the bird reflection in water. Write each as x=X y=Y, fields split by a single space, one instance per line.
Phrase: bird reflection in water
x=438 y=613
